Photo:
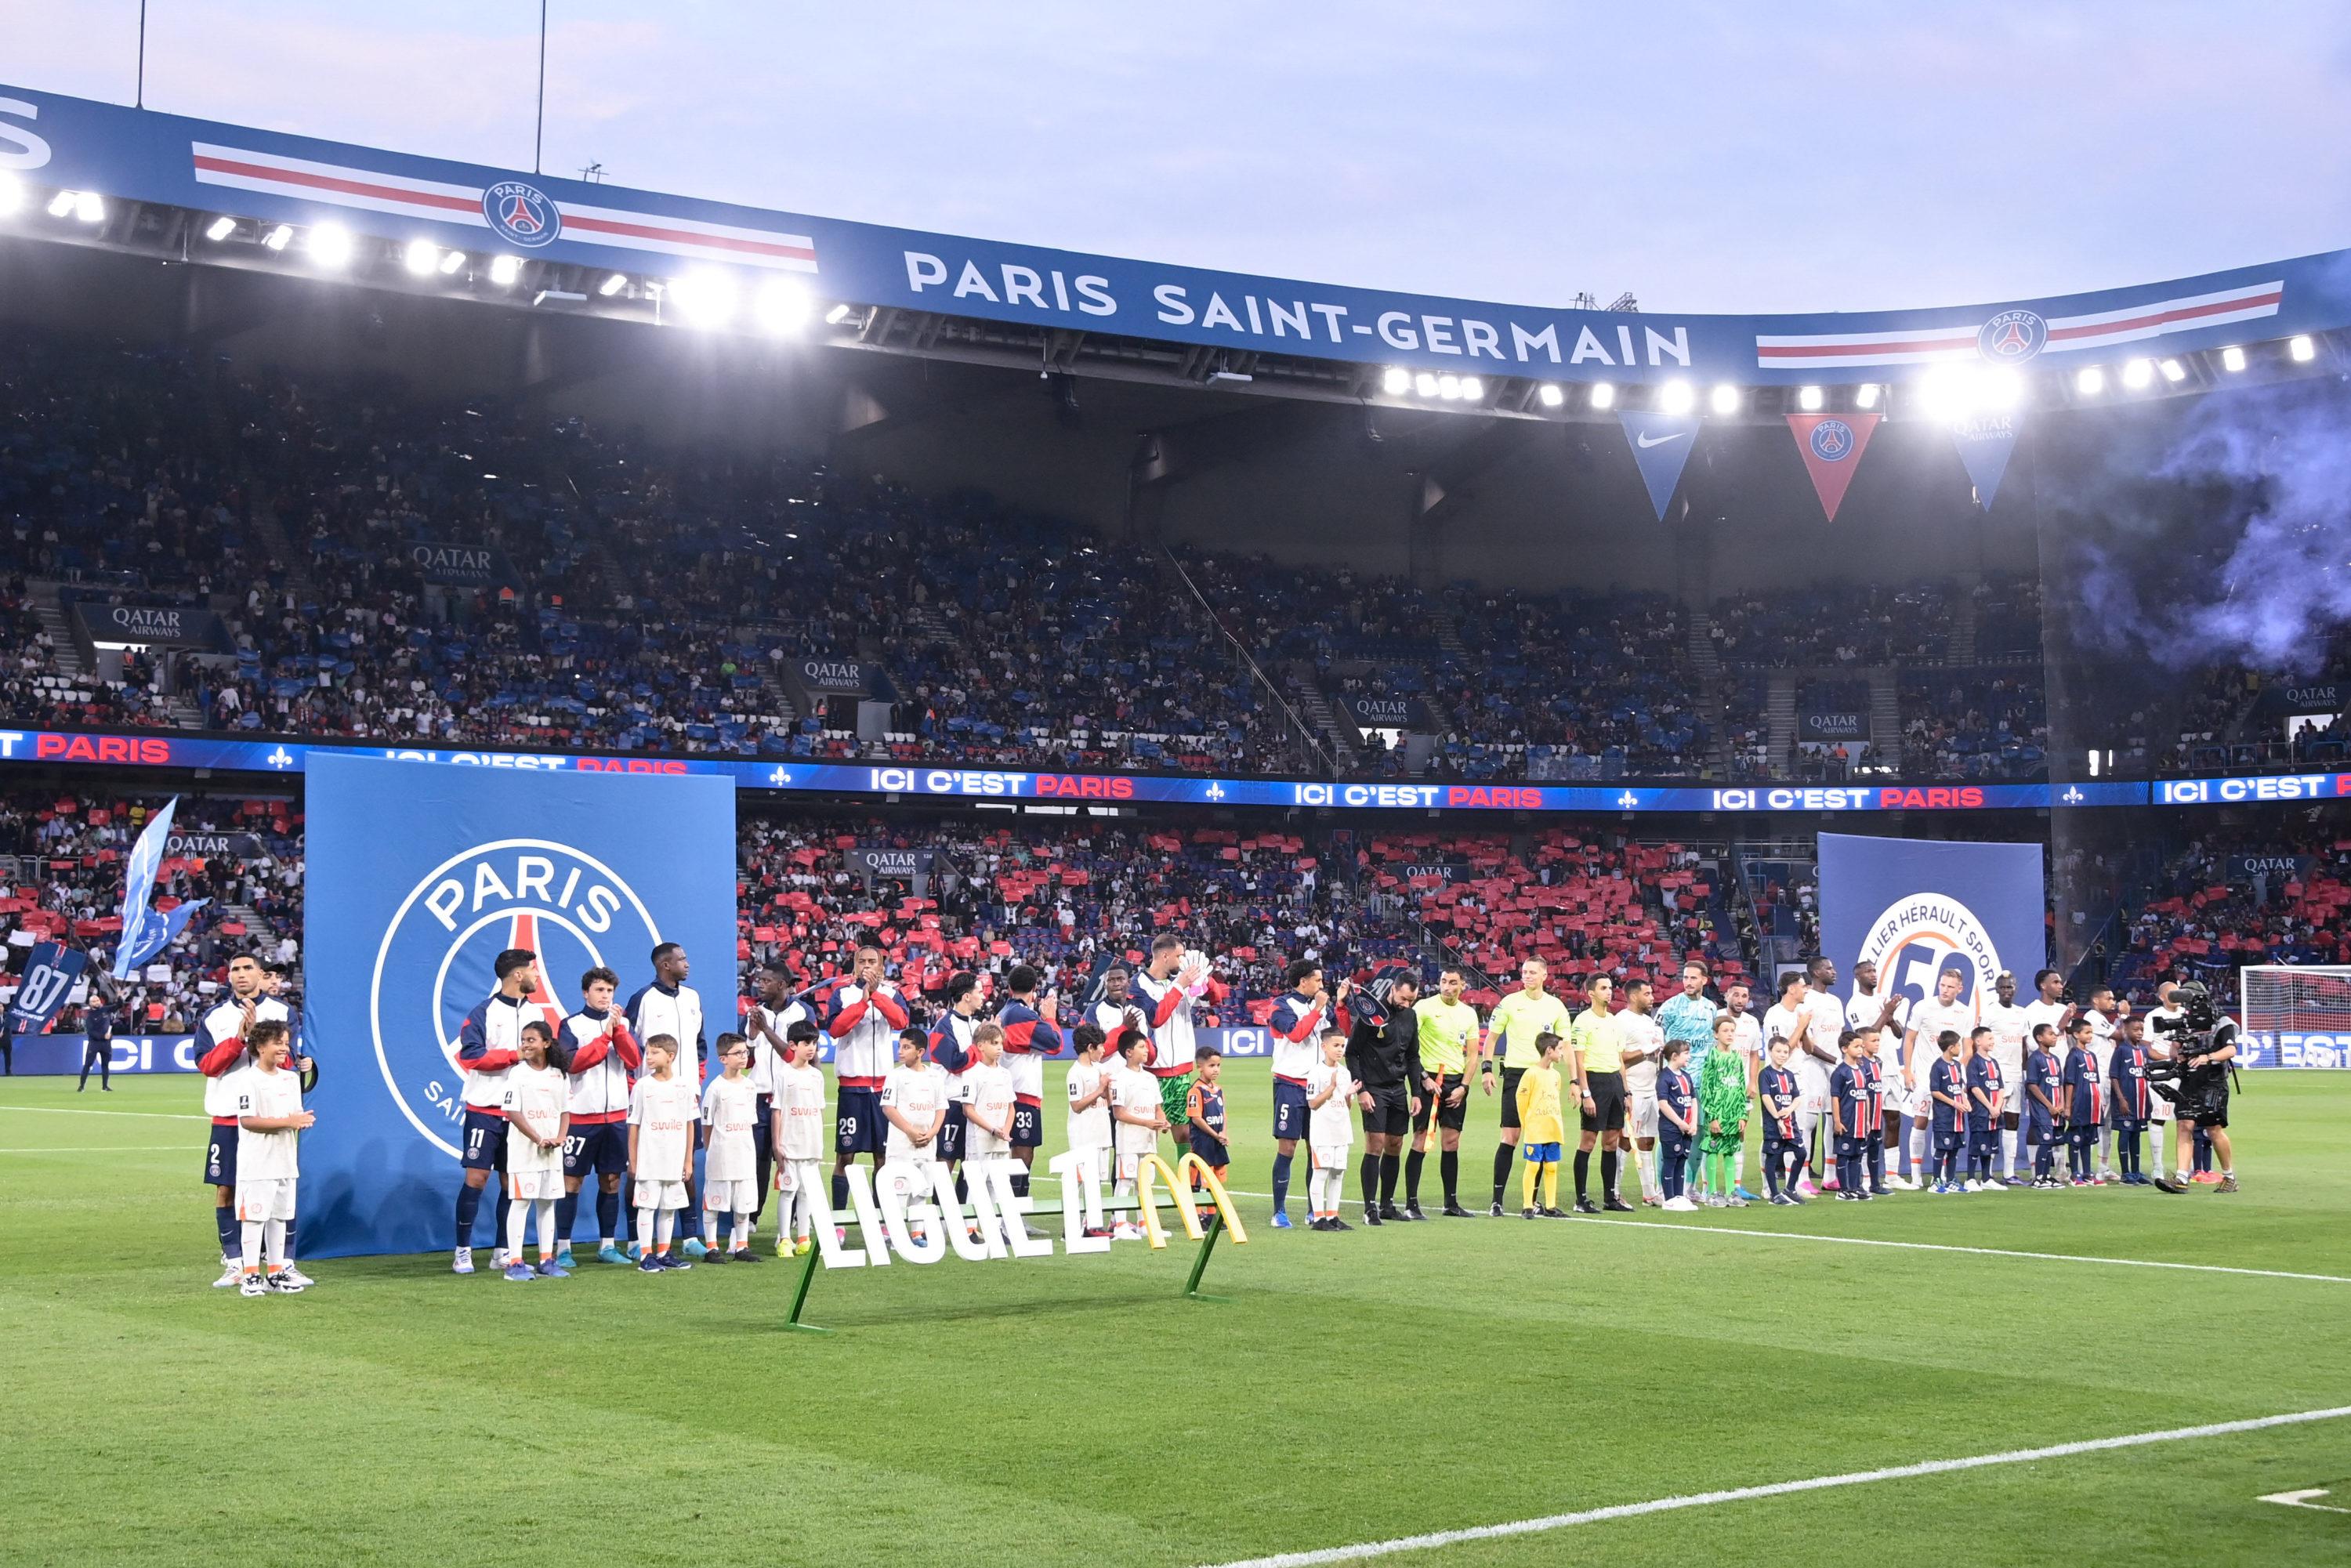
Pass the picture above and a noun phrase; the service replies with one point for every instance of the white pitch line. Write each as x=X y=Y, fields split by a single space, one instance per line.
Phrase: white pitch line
x=1929 y=1247
x=78 y=1111
x=1777 y=1488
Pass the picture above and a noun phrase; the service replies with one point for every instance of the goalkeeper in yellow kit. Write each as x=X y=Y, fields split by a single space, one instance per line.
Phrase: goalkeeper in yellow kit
x=1541 y=1129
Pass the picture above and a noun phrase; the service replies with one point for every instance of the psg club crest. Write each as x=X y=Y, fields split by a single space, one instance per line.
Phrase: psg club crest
x=2012 y=336
x=521 y=214
x=434 y=961
x=1831 y=440
x=1920 y=937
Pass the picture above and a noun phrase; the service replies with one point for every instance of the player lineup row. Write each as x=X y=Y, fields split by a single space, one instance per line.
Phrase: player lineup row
x=617 y=1095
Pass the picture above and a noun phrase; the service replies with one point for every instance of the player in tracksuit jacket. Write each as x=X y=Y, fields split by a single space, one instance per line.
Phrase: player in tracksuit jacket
x=488 y=1044
x=1297 y=1023
x=1029 y=1037
x=863 y=1020
x=950 y=1047
x=2081 y=1106
x=2126 y=1084
x=1986 y=1083
x=671 y=1007
x=600 y=1052
x=220 y=1037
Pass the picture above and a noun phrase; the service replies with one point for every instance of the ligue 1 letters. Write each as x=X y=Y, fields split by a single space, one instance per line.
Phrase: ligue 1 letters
x=924 y=1224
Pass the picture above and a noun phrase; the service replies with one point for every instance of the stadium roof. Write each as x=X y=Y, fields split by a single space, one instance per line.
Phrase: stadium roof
x=209 y=193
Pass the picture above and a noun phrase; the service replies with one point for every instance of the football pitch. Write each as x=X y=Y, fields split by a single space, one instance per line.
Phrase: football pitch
x=1357 y=1390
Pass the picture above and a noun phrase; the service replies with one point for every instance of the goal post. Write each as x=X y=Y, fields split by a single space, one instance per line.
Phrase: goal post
x=2294 y=998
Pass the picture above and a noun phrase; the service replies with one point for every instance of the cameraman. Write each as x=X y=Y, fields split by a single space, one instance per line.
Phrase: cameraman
x=2203 y=1044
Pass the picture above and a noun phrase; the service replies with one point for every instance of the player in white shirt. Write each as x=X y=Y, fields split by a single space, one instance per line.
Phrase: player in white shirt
x=2106 y=1022
x=1138 y=1115
x=798 y=1136
x=663 y=1109
x=269 y=1123
x=1329 y=1130
x=1818 y=1056
x=989 y=1093
x=669 y=1005
x=1886 y=1012
x=1645 y=1049
x=2009 y=1027
x=730 y=1160
x=915 y=1097
x=1929 y=1021
x=538 y=1109
x=767 y=1026
x=1789 y=1019
x=2048 y=1005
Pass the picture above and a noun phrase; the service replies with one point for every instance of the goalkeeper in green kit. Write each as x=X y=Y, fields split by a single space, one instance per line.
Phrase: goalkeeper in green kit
x=1722 y=1107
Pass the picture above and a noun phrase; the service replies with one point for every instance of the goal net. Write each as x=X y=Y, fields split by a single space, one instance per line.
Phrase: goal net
x=2296 y=999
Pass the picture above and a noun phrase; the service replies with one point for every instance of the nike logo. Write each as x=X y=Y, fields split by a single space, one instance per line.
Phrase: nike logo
x=1644 y=442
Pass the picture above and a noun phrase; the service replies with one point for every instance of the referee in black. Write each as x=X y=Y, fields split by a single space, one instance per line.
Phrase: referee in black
x=1384 y=1059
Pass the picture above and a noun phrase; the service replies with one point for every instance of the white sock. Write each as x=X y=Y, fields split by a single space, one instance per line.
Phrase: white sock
x=645 y=1228
x=1645 y=1163
x=273 y=1244
x=665 y=1223
x=738 y=1238
x=517 y=1228
x=252 y=1230
x=547 y=1236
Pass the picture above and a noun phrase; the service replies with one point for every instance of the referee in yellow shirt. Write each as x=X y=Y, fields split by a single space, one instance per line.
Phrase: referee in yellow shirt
x=1511 y=1032
x=1596 y=1051
x=1448 y=1040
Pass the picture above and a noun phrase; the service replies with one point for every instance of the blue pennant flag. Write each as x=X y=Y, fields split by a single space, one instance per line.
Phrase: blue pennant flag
x=145 y=930
x=1661 y=446
x=1985 y=443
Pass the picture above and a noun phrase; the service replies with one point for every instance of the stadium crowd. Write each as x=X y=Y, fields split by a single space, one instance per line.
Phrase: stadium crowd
x=613 y=594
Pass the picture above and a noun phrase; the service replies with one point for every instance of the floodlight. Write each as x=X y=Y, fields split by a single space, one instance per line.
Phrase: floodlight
x=783 y=307
x=2303 y=349
x=1551 y=395
x=421 y=258
x=1425 y=384
x=704 y=300
x=331 y=244
x=279 y=237
x=2090 y=381
x=2232 y=358
x=1812 y=399
x=1725 y=399
x=1865 y=395
x=612 y=285
x=504 y=269
x=2137 y=374
x=89 y=207
x=1677 y=397
x=220 y=229
x=1472 y=389
x=1396 y=381
x=1604 y=394
x=2173 y=371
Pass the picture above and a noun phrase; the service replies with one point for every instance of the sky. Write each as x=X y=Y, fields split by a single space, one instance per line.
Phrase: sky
x=1733 y=157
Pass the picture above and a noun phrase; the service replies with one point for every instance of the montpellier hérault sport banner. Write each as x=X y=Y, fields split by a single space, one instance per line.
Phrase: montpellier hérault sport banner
x=417 y=878
x=1915 y=907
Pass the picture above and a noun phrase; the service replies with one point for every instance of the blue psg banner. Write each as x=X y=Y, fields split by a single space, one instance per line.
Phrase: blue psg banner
x=50 y=971
x=1661 y=446
x=418 y=877
x=1917 y=907
x=267 y=176
x=1985 y=444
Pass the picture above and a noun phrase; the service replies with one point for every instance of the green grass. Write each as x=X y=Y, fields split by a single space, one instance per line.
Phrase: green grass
x=1078 y=1411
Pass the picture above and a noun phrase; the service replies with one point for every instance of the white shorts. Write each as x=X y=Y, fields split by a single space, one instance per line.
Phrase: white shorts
x=797 y=1176
x=1645 y=1115
x=730 y=1196
x=535 y=1187
x=1330 y=1156
x=659 y=1195
x=911 y=1177
x=265 y=1198
x=1129 y=1166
